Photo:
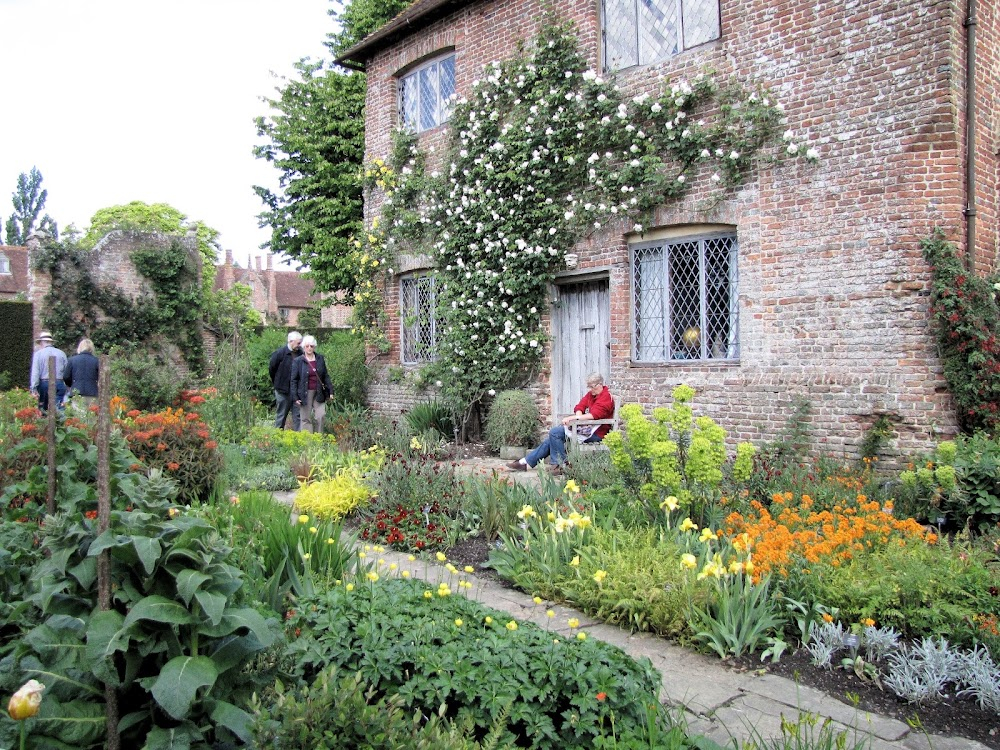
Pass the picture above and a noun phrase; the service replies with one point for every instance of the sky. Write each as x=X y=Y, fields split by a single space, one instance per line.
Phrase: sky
x=122 y=100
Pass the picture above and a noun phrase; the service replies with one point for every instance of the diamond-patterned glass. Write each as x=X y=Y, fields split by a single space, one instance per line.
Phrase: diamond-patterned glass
x=685 y=300
x=417 y=311
x=424 y=94
x=640 y=32
x=649 y=306
x=701 y=21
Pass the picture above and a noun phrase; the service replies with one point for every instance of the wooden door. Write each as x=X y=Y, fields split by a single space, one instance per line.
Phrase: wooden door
x=581 y=340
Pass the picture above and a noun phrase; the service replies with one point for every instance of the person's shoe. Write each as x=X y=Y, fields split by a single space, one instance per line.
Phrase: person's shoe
x=556 y=470
x=517 y=466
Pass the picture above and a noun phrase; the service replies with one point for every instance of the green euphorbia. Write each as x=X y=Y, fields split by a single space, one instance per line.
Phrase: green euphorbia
x=544 y=153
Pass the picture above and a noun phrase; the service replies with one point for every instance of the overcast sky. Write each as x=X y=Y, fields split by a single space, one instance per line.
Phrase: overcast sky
x=123 y=100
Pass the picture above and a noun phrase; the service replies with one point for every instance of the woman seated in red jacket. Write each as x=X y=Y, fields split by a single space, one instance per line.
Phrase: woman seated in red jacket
x=596 y=403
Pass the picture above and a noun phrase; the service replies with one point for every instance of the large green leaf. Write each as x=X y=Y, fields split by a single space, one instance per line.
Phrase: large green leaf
x=214 y=605
x=159 y=609
x=237 y=619
x=106 y=635
x=78 y=723
x=173 y=738
x=148 y=550
x=177 y=685
x=236 y=720
x=188 y=582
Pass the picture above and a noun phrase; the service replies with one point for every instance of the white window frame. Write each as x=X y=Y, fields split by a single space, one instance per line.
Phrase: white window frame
x=657 y=328
x=637 y=16
x=411 y=92
x=418 y=338
x=5 y=265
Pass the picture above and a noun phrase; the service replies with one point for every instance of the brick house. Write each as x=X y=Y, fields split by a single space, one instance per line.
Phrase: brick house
x=279 y=296
x=13 y=272
x=827 y=293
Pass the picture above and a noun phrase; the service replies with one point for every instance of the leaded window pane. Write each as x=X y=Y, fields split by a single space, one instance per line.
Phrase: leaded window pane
x=424 y=94
x=418 y=313
x=640 y=32
x=685 y=300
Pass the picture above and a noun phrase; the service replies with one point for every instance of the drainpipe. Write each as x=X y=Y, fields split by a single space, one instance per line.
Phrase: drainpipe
x=970 y=137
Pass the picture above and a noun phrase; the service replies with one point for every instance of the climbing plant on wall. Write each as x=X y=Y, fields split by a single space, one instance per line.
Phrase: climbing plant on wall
x=542 y=154
x=77 y=306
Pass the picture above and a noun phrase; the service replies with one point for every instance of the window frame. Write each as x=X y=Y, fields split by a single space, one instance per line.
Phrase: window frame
x=410 y=350
x=443 y=105
x=5 y=269
x=679 y=31
x=707 y=350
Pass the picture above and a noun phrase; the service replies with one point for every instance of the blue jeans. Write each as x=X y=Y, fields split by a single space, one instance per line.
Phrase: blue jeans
x=43 y=394
x=554 y=446
x=286 y=405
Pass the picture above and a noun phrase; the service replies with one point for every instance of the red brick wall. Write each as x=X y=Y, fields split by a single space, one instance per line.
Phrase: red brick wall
x=833 y=287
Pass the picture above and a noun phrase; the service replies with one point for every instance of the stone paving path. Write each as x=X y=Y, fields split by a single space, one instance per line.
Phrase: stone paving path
x=715 y=701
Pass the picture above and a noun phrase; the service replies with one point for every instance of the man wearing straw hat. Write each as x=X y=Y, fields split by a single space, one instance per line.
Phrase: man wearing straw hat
x=40 y=370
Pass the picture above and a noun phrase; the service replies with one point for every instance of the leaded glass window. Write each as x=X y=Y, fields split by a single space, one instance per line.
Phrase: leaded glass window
x=418 y=313
x=684 y=299
x=425 y=94
x=640 y=32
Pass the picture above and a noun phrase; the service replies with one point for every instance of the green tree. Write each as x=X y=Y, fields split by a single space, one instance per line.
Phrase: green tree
x=29 y=200
x=315 y=139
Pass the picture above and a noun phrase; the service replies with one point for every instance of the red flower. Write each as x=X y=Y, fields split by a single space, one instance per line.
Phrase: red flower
x=602 y=697
x=91 y=514
x=211 y=445
x=173 y=466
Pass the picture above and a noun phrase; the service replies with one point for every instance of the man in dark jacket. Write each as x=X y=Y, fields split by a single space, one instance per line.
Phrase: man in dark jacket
x=280 y=370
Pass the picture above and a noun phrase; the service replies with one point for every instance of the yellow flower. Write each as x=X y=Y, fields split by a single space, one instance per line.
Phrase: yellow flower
x=428 y=595
x=393 y=566
x=303 y=518
x=306 y=556
x=313 y=530
x=688 y=525
x=488 y=620
x=469 y=569
x=671 y=503
x=349 y=587
x=560 y=526
x=584 y=522
x=735 y=567
x=441 y=557
x=537 y=600
x=688 y=560
x=550 y=516
x=550 y=614
x=573 y=623
x=571 y=487
x=748 y=567
x=444 y=591
x=411 y=558
x=827 y=617
x=405 y=574
x=458 y=622
x=526 y=512
x=451 y=569
x=362 y=555
x=330 y=540
x=512 y=626
x=415 y=444
x=373 y=576
x=174 y=512
x=600 y=575
x=869 y=622
x=581 y=636
x=707 y=535
x=25 y=702
x=575 y=562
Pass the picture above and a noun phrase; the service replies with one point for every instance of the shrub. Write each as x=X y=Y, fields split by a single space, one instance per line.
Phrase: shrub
x=478 y=663
x=147 y=379
x=178 y=443
x=512 y=420
x=259 y=350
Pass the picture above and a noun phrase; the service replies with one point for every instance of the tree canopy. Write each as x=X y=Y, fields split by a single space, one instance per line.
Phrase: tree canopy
x=314 y=137
x=29 y=201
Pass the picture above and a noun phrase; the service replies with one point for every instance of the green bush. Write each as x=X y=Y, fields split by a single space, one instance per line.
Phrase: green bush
x=342 y=711
x=512 y=420
x=920 y=590
x=148 y=380
x=430 y=415
x=478 y=663
x=259 y=351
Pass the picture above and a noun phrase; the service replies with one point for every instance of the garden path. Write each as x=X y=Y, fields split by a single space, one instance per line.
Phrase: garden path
x=716 y=700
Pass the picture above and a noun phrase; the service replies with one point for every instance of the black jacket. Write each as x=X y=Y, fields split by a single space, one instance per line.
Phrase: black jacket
x=81 y=373
x=300 y=379
x=280 y=368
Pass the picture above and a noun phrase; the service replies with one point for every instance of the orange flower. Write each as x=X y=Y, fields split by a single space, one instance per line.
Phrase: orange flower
x=602 y=696
x=173 y=466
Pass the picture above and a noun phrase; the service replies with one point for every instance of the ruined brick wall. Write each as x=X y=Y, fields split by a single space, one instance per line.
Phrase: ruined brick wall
x=833 y=289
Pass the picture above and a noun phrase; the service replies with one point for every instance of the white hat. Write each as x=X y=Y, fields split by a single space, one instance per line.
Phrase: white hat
x=44 y=336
